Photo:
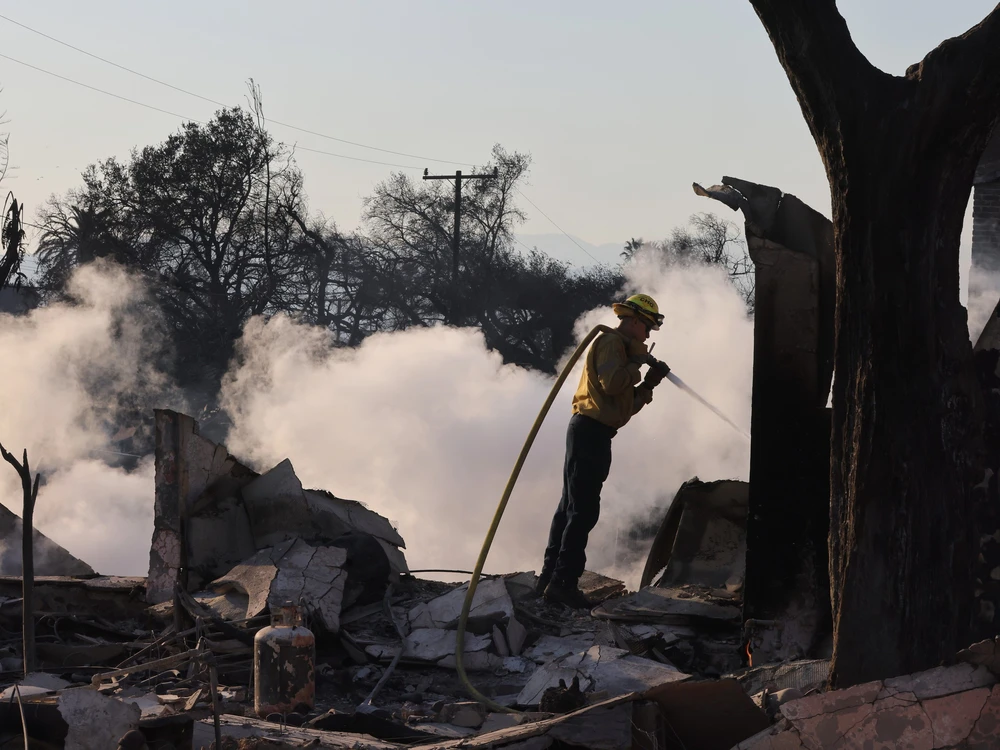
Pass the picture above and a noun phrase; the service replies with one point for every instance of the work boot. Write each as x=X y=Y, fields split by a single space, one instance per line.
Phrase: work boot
x=541 y=583
x=570 y=595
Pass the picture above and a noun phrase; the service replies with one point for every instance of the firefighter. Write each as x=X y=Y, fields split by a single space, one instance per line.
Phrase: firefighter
x=610 y=393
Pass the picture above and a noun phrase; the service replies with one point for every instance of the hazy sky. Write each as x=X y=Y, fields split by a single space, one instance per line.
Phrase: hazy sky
x=621 y=105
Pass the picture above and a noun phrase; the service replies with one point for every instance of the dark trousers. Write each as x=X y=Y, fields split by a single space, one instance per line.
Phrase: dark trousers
x=588 y=461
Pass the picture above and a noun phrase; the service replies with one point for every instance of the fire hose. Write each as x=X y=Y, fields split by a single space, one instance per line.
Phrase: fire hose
x=509 y=488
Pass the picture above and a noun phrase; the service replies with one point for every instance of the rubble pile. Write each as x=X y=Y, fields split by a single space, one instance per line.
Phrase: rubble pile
x=167 y=661
x=172 y=653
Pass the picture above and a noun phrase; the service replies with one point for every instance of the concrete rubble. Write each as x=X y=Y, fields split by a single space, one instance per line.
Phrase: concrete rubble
x=94 y=721
x=725 y=645
x=945 y=707
x=293 y=570
x=230 y=546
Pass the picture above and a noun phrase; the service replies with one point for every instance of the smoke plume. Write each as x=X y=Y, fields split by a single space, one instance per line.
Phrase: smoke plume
x=424 y=425
x=70 y=372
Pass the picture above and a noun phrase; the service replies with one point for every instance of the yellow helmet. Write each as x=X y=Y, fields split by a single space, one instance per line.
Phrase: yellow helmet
x=641 y=306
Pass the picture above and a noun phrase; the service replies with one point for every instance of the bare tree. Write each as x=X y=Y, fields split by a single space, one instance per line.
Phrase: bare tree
x=706 y=240
x=524 y=303
x=907 y=453
x=29 y=491
x=201 y=215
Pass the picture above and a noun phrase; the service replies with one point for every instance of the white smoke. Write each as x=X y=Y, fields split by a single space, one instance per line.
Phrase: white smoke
x=424 y=425
x=69 y=372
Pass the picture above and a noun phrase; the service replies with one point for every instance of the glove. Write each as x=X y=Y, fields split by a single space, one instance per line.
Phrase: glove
x=654 y=376
x=643 y=396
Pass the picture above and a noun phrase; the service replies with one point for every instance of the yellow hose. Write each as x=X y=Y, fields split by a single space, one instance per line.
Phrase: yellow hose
x=488 y=542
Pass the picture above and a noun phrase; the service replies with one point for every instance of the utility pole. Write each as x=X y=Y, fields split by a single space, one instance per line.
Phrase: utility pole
x=456 y=237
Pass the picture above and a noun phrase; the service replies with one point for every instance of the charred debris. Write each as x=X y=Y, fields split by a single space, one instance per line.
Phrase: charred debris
x=725 y=644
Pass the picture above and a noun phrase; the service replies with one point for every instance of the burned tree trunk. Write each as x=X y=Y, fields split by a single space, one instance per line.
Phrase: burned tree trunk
x=30 y=494
x=907 y=450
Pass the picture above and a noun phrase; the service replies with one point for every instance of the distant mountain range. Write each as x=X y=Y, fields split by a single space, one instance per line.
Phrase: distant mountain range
x=561 y=247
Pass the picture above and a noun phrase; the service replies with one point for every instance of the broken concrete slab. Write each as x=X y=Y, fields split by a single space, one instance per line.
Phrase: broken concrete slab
x=434 y=644
x=550 y=647
x=956 y=706
x=354 y=515
x=601 y=669
x=230 y=605
x=486 y=661
x=228 y=512
x=36 y=683
x=478 y=661
x=986 y=653
x=96 y=722
x=517 y=634
x=312 y=577
x=490 y=605
x=51 y=559
x=598 y=588
x=500 y=642
x=679 y=604
x=468 y=714
x=521 y=586
x=939 y=681
x=280 y=509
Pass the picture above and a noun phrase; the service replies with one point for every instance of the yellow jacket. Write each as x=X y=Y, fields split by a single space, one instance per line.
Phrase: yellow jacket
x=607 y=390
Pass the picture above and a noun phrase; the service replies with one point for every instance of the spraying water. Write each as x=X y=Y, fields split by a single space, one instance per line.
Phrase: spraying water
x=689 y=391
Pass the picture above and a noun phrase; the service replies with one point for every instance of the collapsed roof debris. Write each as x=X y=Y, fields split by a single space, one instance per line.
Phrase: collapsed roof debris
x=150 y=663
x=213 y=513
x=50 y=558
x=786 y=608
x=724 y=645
x=230 y=544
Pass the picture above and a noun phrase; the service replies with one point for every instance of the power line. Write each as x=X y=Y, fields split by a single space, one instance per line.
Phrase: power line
x=529 y=249
x=276 y=122
x=185 y=117
x=101 y=91
x=356 y=158
x=109 y=62
x=373 y=148
x=222 y=104
x=570 y=238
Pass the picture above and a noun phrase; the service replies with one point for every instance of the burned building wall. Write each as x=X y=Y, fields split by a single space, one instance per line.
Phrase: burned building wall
x=984 y=279
x=212 y=513
x=786 y=601
x=196 y=522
